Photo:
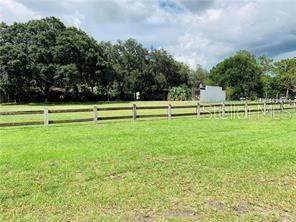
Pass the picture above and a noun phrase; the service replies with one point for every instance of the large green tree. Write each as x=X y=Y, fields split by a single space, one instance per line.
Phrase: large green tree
x=129 y=59
x=14 y=61
x=240 y=74
x=41 y=55
x=285 y=73
x=75 y=47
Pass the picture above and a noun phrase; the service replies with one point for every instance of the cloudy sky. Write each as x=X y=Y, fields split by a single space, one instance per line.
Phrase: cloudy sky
x=194 y=31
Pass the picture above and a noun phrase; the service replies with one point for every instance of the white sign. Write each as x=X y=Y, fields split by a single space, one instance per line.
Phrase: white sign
x=212 y=94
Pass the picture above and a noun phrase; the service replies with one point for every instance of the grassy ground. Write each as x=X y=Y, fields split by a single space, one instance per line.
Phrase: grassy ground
x=61 y=116
x=179 y=170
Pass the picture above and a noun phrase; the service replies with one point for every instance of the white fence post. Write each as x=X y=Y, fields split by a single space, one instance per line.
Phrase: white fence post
x=223 y=109
x=134 y=112
x=258 y=110
x=95 y=114
x=282 y=106
x=198 y=110
x=169 y=111
x=45 y=116
x=264 y=108
x=246 y=109
x=272 y=114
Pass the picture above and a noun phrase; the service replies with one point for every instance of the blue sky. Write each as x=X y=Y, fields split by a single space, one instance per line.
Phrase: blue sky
x=194 y=31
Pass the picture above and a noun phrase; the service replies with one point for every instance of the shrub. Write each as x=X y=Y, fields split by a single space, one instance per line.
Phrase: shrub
x=178 y=94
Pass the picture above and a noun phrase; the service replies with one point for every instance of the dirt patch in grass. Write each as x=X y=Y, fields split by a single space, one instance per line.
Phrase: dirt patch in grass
x=268 y=210
x=241 y=208
x=215 y=205
x=178 y=213
x=142 y=218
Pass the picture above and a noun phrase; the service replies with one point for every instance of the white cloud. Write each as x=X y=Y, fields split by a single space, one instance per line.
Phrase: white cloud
x=11 y=11
x=194 y=31
x=263 y=27
x=285 y=55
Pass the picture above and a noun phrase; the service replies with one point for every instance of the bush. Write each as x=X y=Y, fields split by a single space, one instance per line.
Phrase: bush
x=178 y=94
x=229 y=92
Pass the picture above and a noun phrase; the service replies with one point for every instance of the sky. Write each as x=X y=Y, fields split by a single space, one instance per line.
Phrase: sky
x=194 y=31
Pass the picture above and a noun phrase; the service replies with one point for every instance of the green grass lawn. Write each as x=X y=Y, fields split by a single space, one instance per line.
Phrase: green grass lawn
x=179 y=170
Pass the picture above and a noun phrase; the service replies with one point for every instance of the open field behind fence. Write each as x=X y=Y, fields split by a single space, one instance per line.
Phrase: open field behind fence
x=114 y=112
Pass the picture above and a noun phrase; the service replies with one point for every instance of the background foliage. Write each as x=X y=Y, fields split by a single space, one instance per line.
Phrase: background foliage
x=43 y=60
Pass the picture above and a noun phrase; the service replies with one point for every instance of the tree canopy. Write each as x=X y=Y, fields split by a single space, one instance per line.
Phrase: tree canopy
x=239 y=73
x=244 y=75
x=43 y=60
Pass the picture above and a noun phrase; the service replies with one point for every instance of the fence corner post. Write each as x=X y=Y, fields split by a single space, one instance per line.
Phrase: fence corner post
x=46 y=116
x=134 y=112
x=95 y=110
x=169 y=111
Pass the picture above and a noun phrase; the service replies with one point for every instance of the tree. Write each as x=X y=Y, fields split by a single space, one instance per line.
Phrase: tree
x=41 y=55
x=43 y=60
x=167 y=72
x=14 y=81
x=266 y=65
x=197 y=77
x=108 y=76
x=74 y=46
x=129 y=60
x=241 y=73
x=285 y=73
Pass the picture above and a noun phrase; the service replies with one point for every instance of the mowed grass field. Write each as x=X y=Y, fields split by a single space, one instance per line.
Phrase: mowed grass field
x=186 y=169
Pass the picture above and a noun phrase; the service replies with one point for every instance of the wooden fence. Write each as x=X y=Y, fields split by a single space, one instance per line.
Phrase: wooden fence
x=245 y=108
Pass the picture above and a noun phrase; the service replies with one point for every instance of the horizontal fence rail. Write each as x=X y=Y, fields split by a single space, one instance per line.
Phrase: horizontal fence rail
x=223 y=109
x=22 y=112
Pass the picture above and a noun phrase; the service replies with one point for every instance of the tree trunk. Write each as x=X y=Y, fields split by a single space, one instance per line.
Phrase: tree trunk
x=46 y=93
x=287 y=93
x=122 y=91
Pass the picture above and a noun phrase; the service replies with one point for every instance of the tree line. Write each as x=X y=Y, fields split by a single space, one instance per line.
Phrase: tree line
x=43 y=60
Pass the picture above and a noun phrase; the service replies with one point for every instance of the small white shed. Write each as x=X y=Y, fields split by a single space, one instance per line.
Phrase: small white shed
x=212 y=94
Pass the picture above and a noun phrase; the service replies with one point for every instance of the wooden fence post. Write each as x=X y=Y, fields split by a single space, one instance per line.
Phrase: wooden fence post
x=134 y=112
x=169 y=111
x=95 y=114
x=258 y=111
x=198 y=110
x=223 y=109
x=233 y=111
x=272 y=110
x=45 y=116
x=282 y=106
x=246 y=109
x=264 y=108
